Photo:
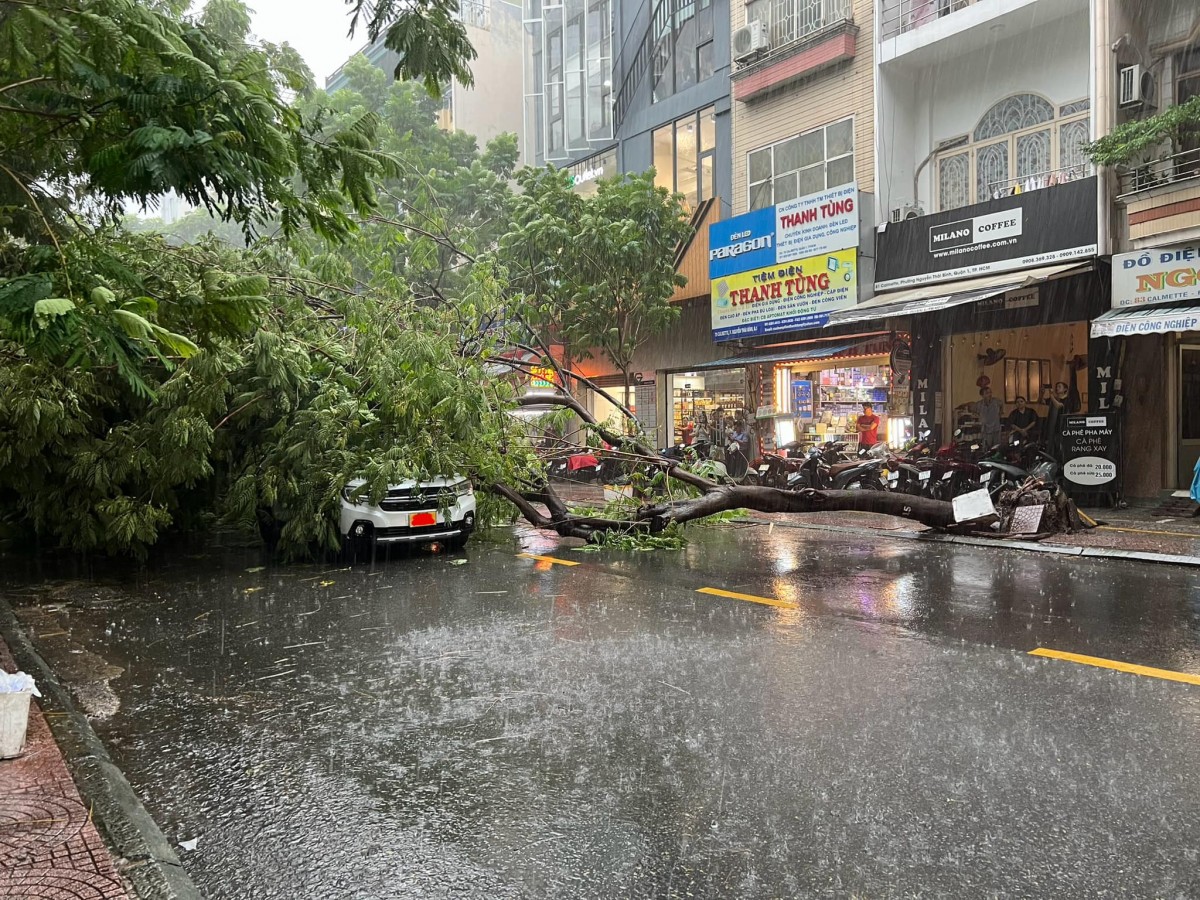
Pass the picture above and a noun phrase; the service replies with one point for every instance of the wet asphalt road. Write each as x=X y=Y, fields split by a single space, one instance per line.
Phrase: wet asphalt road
x=510 y=728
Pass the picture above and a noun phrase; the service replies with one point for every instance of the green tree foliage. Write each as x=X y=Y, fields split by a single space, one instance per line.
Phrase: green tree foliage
x=441 y=205
x=106 y=102
x=1129 y=141
x=600 y=269
x=428 y=36
x=148 y=382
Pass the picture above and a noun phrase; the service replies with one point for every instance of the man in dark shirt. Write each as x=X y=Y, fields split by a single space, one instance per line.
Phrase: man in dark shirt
x=1023 y=421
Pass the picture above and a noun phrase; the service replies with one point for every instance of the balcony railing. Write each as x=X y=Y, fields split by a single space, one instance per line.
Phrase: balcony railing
x=899 y=16
x=1177 y=169
x=790 y=21
x=1038 y=181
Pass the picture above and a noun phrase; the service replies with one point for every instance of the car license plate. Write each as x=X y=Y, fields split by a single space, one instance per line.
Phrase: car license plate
x=947 y=476
x=764 y=469
x=985 y=477
x=422 y=519
x=924 y=476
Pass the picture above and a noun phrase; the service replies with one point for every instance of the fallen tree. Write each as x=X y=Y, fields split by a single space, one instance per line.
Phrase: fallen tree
x=704 y=499
x=542 y=506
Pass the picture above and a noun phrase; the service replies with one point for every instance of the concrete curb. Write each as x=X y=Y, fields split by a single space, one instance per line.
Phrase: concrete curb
x=144 y=855
x=997 y=543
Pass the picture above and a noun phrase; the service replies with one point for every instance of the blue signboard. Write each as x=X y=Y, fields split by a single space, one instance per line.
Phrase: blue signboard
x=742 y=243
x=802 y=400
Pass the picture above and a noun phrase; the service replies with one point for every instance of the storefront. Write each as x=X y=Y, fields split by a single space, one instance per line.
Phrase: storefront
x=1023 y=337
x=809 y=391
x=714 y=400
x=1150 y=373
x=997 y=298
x=586 y=174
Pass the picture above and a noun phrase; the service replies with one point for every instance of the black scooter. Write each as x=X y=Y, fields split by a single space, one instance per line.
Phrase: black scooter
x=863 y=473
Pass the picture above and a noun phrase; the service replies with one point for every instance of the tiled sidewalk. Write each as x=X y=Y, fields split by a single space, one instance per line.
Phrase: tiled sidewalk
x=49 y=848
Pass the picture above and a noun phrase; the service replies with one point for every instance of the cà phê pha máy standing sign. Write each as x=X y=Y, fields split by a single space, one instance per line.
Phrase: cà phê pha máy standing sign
x=1091 y=453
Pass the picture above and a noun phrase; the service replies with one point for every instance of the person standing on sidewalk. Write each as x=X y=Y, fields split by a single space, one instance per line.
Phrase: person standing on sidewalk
x=1023 y=420
x=1196 y=488
x=868 y=428
x=988 y=409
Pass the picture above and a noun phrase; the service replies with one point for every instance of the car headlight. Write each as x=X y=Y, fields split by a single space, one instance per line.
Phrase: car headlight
x=463 y=489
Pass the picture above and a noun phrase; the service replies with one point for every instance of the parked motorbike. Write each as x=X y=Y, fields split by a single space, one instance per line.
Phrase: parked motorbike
x=1011 y=465
x=861 y=473
x=575 y=467
x=777 y=469
x=738 y=466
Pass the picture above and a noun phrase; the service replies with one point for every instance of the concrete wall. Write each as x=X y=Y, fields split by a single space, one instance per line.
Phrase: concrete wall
x=493 y=105
x=828 y=96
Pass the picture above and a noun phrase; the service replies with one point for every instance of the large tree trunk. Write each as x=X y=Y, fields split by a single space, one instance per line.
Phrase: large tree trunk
x=654 y=518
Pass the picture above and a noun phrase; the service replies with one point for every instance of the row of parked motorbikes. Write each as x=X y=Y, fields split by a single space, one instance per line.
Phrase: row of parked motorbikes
x=923 y=469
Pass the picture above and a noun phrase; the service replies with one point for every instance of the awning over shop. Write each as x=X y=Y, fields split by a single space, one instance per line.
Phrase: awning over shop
x=937 y=297
x=798 y=353
x=1146 y=320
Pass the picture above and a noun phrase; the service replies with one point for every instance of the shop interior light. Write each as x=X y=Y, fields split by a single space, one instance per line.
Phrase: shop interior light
x=899 y=430
x=783 y=389
x=785 y=431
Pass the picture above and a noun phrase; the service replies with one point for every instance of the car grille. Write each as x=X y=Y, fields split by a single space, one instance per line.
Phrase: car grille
x=405 y=500
x=402 y=531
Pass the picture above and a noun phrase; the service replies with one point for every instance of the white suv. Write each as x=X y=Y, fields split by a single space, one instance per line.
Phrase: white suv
x=411 y=512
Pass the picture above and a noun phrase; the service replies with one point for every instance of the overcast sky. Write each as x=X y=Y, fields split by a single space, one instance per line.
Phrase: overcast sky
x=317 y=28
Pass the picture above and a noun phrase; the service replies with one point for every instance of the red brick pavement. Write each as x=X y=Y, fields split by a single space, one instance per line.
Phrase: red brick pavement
x=49 y=848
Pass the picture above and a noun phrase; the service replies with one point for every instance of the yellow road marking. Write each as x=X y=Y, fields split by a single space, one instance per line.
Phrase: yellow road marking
x=549 y=559
x=1145 y=531
x=768 y=601
x=1132 y=669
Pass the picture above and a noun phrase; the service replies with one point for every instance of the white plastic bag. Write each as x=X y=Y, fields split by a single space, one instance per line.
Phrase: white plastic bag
x=16 y=682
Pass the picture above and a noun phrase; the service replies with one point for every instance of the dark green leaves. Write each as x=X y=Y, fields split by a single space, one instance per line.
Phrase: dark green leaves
x=428 y=36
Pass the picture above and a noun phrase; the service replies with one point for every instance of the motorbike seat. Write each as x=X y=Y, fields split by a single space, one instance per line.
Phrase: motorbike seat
x=838 y=468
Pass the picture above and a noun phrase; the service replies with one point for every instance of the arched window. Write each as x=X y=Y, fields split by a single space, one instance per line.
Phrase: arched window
x=1015 y=113
x=1021 y=143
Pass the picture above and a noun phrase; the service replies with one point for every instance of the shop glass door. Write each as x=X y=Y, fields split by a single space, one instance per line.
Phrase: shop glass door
x=1189 y=413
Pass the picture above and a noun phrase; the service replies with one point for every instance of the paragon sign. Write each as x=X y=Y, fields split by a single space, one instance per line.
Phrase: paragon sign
x=1034 y=228
x=784 y=267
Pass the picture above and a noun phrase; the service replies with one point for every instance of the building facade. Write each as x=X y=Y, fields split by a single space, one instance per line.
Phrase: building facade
x=617 y=86
x=492 y=105
x=620 y=86
x=1151 y=335
x=800 y=245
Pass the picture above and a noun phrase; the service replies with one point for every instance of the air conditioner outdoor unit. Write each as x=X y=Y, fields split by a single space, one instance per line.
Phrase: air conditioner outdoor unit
x=750 y=39
x=905 y=212
x=1134 y=86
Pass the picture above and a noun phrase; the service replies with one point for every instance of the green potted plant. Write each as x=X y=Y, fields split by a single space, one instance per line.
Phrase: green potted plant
x=1131 y=140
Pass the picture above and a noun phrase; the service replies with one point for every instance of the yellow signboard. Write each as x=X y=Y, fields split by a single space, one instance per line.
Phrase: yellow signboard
x=784 y=297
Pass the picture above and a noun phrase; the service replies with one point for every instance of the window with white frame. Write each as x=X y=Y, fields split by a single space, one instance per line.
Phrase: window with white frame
x=805 y=164
x=1022 y=143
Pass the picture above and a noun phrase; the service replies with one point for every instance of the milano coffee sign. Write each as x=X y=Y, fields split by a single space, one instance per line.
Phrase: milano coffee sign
x=1034 y=228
